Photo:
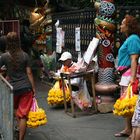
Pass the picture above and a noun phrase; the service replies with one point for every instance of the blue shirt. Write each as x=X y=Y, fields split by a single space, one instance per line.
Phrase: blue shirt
x=130 y=46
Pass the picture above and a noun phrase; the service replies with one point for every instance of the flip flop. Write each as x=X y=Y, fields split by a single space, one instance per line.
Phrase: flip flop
x=121 y=134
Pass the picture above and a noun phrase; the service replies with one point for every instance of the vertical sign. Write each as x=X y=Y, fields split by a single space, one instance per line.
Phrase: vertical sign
x=77 y=39
x=59 y=39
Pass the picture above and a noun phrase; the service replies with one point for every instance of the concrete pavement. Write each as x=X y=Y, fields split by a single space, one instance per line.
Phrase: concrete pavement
x=61 y=126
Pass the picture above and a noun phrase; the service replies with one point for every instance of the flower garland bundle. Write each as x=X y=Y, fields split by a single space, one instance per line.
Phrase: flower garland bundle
x=125 y=105
x=55 y=95
x=36 y=116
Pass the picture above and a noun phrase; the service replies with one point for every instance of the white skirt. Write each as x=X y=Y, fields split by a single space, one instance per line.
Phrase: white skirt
x=124 y=81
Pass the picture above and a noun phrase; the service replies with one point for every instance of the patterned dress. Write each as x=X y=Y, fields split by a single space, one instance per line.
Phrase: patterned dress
x=136 y=116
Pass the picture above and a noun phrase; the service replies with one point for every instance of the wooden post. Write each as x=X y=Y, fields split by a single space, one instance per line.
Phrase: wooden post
x=93 y=91
x=72 y=103
x=64 y=94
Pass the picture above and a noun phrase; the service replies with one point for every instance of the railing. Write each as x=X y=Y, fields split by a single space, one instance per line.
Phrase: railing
x=85 y=20
x=69 y=21
x=6 y=110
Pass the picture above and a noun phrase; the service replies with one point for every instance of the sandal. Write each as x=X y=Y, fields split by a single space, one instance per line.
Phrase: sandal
x=122 y=134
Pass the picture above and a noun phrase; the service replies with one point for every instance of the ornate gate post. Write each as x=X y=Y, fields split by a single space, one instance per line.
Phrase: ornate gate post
x=105 y=27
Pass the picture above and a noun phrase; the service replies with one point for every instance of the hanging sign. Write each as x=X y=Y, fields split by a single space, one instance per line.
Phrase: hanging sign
x=59 y=39
x=77 y=39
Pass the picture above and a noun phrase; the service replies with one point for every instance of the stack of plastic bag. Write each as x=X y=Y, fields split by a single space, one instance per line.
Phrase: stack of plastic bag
x=36 y=116
x=82 y=98
x=55 y=95
x=125 y=105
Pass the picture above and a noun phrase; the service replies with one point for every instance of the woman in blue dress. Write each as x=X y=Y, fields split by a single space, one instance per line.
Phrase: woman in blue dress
x=128 y=56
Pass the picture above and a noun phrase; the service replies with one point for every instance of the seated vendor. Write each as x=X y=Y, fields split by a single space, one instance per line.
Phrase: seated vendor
x=80 y=92
x=66 y=59
x=68 y=66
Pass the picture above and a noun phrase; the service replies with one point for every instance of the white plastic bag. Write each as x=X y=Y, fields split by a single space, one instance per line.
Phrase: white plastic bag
x=75 y=81
x=81 y=65
x=82 y=98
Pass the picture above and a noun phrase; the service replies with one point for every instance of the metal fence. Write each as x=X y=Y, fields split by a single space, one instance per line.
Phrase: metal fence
x=85 y=20
x=69 y=21
x=6 y=110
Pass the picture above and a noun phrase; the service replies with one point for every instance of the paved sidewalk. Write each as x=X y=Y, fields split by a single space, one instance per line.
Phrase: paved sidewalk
x=60 y=126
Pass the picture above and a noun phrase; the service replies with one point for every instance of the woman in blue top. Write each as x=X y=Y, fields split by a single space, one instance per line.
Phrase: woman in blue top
x=128 y=58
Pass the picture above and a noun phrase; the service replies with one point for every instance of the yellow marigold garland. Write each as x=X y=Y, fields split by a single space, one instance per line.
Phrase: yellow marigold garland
x=55 y=95
x=36 y=116
x=125 y=105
